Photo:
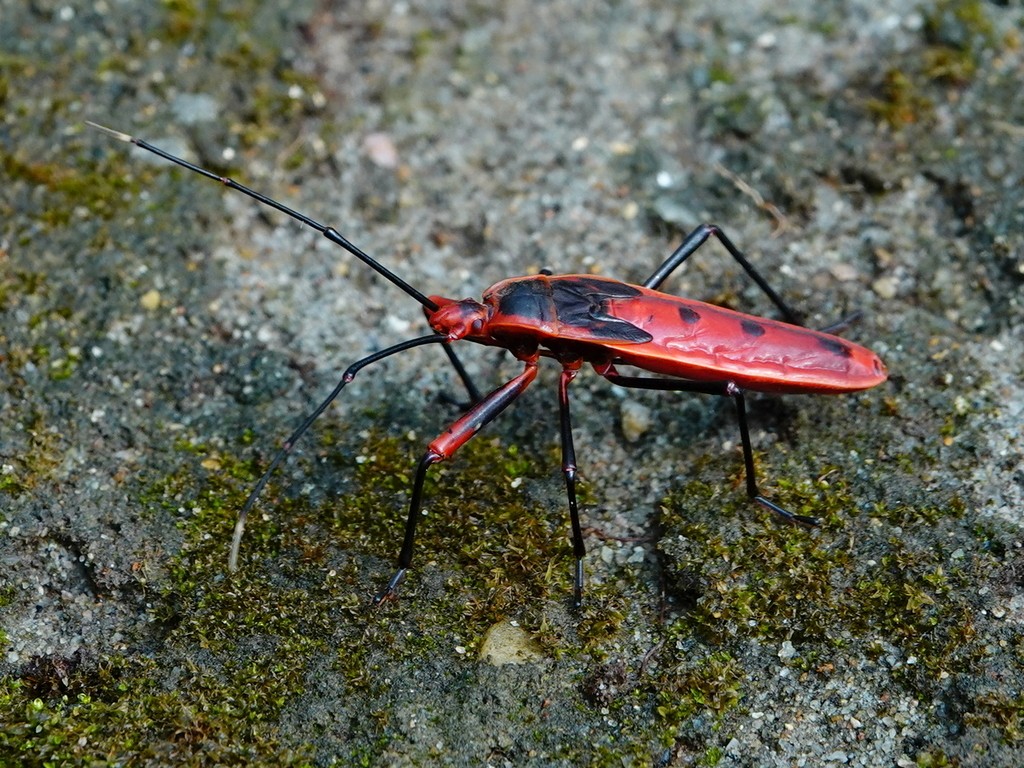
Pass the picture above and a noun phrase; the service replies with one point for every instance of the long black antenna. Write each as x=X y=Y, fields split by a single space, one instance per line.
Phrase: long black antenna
x=329 y=232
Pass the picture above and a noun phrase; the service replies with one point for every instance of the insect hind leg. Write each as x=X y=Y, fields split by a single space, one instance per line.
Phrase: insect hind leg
x=693 y=241
x=748 y=459
x=721 y=389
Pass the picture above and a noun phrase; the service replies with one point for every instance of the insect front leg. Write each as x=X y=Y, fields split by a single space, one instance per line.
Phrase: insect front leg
x=286 y=448
x=695 y=240
x=569 y=371
x=474 y=393
x=722 y=389
x=444 y=447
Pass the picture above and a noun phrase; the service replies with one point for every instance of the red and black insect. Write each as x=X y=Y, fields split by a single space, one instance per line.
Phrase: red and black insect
x=577 y=319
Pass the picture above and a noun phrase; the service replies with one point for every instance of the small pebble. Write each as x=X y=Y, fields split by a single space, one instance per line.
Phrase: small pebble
x=150 y=300
x=505 y=643
x=635 y=420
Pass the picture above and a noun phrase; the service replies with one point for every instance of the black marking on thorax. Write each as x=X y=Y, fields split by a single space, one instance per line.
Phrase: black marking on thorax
x=582 y=303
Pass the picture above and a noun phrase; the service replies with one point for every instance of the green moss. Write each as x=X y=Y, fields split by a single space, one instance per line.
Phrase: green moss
x=506 y=554
x=712 y=757
x=42 y=454
x=17 y=283
x=116 y=713
x=932 y=758
x=900 y=100
x=713 y=684
x=855 y=577
x=226 y=700
x=720 y=72
x=64 y=367
x=99 y=189
x=6 y=598
x=1003 y=711
x=956 y=32
x=183 y=19
x=307 y=574
x=502 y=553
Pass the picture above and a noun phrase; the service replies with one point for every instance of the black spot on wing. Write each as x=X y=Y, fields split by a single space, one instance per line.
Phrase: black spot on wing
x=751 y=328
x=584 y=303
x=689 y=316
x=610 y=328
x=835 y=346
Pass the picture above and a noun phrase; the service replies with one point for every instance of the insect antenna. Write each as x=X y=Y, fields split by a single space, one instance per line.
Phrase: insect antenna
x=327 y=231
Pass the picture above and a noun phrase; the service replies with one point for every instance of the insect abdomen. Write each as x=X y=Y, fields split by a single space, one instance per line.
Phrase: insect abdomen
x=693 y=340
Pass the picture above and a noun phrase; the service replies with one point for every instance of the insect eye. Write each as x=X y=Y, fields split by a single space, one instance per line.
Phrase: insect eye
x=478 y=324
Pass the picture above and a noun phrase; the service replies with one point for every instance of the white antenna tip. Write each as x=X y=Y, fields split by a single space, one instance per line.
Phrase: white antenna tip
x=109 y=131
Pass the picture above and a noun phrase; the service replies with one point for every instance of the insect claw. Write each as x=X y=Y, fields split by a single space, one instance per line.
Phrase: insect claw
x=236 y=543
x=577 y=586
x=390 y=592
x=786 y=515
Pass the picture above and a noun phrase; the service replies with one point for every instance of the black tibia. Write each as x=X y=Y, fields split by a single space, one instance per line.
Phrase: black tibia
x=722 y=389
x=569 y=471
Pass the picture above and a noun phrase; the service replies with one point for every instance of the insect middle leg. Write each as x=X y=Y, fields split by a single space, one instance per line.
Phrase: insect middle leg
x=444 y=447
x=569 y=371
x=724 y=389
x=695 y=240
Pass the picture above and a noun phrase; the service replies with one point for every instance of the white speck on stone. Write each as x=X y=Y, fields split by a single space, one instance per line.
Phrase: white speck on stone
x=381 y=150
x=398 y=324
x=193 y=108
